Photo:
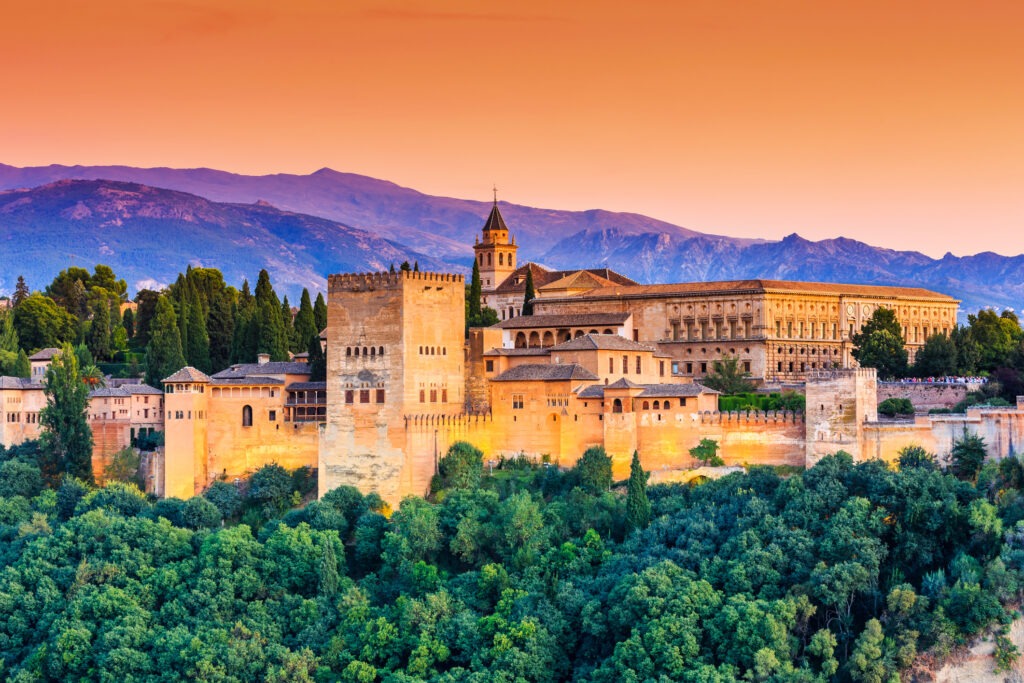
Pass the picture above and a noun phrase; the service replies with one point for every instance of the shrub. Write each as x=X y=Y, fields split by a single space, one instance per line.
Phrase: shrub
x=226 y=498
x=462 y=466
x=594 y=469
x=199 y=513
x=20 y=479
x=892 y=407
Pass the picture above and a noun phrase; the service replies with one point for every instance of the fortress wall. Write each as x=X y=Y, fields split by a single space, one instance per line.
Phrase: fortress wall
x=108 y=437
x=925 y=396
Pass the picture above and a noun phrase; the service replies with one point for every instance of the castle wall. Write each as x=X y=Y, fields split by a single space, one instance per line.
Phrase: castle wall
x=108 y=437
x=838 y=403
x=926 y=395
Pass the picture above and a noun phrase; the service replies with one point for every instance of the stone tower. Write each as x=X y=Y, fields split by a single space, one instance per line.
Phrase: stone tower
x=186 y=406
x=496 y=254
x=394 y=350
x=839 y=402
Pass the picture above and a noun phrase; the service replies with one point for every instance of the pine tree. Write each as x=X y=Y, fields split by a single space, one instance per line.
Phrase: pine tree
x=317 y=362
x=98 y=339
x=415 y=266
x=305 y=322
x=20 y=291
x=392 y=269
x=66 y=440
x=164 y=356
x=475 y=292
x=638 y=507
x=530 y=294
x=320 y=313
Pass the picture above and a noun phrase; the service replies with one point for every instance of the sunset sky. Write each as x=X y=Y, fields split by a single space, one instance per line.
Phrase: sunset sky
x=897 y=123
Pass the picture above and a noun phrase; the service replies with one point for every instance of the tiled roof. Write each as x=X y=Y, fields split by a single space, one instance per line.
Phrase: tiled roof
x=136 y=389
x=44 y=354
x=495 y=221
x=263 y=369
x=107 y=392
x=623 y=383
x=188 y=374
x=545 y=373
x=580 y=279
x=516 y=281
x=761 y=287
x=564 y=320
x=650 y=390
x=608 y=342
x=307 y=386
x=7 y=382
x=533 y=351
x=248 y=380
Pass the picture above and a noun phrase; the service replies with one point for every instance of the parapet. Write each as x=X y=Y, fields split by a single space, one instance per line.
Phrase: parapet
x=752 y=417
x=368 y=282
x=842 y=373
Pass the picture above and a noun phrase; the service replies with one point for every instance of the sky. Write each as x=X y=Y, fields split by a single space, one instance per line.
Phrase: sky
x=900 y=124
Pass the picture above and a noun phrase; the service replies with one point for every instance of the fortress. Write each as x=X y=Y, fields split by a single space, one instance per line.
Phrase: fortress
x=602 y=361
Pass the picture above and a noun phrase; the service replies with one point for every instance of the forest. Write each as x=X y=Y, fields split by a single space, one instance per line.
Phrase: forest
x=850 y=572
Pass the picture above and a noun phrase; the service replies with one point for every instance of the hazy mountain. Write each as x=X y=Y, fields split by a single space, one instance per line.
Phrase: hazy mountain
x=644 y=248
x=148 y=235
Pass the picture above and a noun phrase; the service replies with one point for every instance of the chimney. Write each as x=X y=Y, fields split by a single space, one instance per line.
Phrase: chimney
x=262 y=358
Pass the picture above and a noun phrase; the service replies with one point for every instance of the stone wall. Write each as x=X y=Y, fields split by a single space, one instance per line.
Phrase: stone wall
x=926 y=396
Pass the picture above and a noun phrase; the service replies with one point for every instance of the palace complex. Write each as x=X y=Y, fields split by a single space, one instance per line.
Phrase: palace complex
x=602 y=361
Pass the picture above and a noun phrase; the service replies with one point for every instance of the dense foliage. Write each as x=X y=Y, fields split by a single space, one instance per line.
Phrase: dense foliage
x=846 y=571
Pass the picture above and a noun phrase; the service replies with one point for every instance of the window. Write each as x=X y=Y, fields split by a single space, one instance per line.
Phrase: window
x=423 y=395
x=247 y=416
x=490 y=366
x=661 y=368
x=611 y=365
x=703 y=368
x=625 y=365
x=517 y=401
x=349 y=396
x=617 y=406
x=689 y=368
x=645 y=406
x=638 y=370
x=364 y=395
x=746 y=366
x=273 y=416
x=433 y=395
x=380 y=396
x=444 y=396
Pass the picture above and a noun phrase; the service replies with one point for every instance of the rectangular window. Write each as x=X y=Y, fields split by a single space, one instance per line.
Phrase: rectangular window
x=625 y=365
x=661 y=368
x=675 y=330
x=349 y=396
x=611 y=365
x=444 y=396
x=638 y=366
x=380 y=396
x=423 y=395
x=364 y=395
x=778 y=328
x=689 y=368
x=746 y=366
x=682 y=403
x=835 y=331
x=636 y=335
x=273 y=416
x=703 y=368
x=517 y=401
x=490 y=366
x=433 y=395
x=789 y=329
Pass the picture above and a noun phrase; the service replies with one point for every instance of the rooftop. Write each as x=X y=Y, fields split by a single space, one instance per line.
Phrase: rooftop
x=762 y=286
x=248 y=380
x=564 y=320
x=542 y=277
x=649 y=390
x=263 y=369
x=609 y=342
x=307 y=386
x=546 y=373
x=44 y=354
x=188 y=374
x=7 y=382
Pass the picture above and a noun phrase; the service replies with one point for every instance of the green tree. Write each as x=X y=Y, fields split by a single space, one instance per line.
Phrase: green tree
x=197 y=352
x=968 y=354
x=40 y=323
x=98 y=338
x=146 y=300
x=21 y=292
x=727 y=377
x=594 y=470
x=320 y=313
x=124 y=466
x=128 y=320
x=305 y=323
x=22 y=366
x=968 y=456
x=937 y=357
x=707 y=452
x=896 y=406
x=530 y=293
x=879 y=344
x=66 y=439
x=8 y=335
x=462 y=466
x=164 y=356
x=317 y=361
x=915 y=456
x=475 y=293
x=638 y=507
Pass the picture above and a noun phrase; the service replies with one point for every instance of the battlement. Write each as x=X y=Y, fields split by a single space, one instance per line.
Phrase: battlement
x=750 y=417
x=462 y=419
x=842 y=373
x=363 y=282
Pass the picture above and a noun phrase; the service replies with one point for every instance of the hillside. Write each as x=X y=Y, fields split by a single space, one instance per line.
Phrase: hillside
x=148 y=235
x=643 y=248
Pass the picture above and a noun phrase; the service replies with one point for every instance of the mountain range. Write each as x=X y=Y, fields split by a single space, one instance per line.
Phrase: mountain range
x=148 y=223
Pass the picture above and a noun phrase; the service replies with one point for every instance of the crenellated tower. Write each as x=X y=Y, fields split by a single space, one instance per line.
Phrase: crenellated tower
x=496 y=252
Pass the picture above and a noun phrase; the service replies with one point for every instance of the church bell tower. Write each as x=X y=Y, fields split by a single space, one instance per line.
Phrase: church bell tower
x=496 y=253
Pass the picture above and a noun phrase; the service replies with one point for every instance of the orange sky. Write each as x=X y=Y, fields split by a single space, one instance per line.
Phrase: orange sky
x=897 y=123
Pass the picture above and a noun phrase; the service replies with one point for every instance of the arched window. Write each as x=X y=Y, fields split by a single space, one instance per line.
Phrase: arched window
x=657 y=405
x=373 y=351
x=607 y=332
x=481 y=259
x=488 y=259
x=380 y=350
x=646 y=405
x=549 y=339
x=521 y=340
x=247 y=416
x=348 y=350
x=534 y=340
x=444 y=351
x=501 y=259
x=510 y=259
x=617 y=406
x=357 y=352
x=364 y=351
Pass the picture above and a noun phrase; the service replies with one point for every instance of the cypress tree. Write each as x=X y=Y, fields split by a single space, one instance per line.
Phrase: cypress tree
x=98 y=339
x=22 y=366
x=305 y=323
x=128 y=320
x=475 y=292
x=198 y=349
x=164 y=356
x=392 y=269
x=317 y=362
x=530 y=294
x=183 y=325
x=415 y=266
x=638 y=507
x=66 y=440
x=320 y=313
x=220 y=327
x=8 y=334
x=329 y=577
x=289 y=326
